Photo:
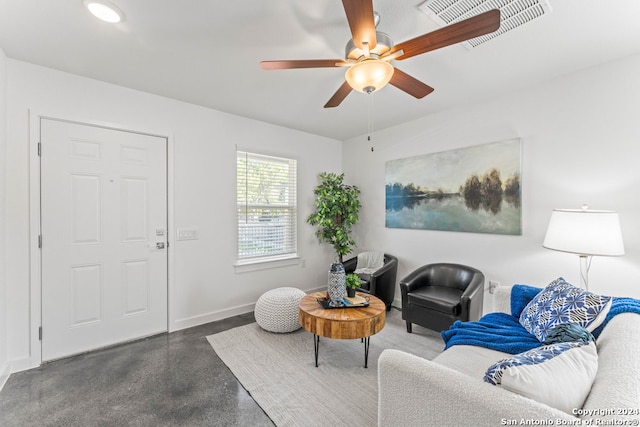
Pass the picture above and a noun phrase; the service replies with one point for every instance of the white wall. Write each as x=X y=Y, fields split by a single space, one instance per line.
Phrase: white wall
x=581 y=144
x=205 y=286
x=4 y=366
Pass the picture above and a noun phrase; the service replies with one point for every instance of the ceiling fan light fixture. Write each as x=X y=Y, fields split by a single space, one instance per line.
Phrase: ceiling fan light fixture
x=104 y=10
x=369 y=61
x=369 y=75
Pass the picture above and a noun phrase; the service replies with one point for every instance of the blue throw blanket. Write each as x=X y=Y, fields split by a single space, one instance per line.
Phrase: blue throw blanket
x=619 y=305
x=503 y=332
x=497 y=331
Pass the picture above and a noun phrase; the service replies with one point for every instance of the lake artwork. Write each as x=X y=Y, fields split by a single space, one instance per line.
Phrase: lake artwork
x=474 y=189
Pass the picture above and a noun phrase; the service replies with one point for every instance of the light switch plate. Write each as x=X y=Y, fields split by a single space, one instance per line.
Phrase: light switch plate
x=187 y=234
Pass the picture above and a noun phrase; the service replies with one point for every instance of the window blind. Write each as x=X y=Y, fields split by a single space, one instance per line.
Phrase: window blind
x=266 y=199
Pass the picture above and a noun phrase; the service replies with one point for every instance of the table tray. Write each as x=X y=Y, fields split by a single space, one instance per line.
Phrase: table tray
x=325 y=304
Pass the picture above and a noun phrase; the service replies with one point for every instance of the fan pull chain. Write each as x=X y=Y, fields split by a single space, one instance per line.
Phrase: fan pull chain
x=370 y=128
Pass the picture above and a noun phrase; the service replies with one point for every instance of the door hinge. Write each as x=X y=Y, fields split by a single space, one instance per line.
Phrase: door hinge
x=39 y=149
x=40 y=241
x=40 y=333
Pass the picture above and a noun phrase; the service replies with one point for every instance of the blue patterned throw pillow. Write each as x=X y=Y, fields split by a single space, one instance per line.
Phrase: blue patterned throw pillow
x=561 y=302
x=559 y=375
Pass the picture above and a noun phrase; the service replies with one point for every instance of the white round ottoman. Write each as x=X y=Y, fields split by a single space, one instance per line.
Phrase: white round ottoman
x=277 y=310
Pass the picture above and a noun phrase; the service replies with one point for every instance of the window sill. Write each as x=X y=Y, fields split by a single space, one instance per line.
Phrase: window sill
x=265 y=263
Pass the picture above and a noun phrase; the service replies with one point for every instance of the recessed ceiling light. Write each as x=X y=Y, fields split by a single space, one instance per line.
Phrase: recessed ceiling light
x=105 y=10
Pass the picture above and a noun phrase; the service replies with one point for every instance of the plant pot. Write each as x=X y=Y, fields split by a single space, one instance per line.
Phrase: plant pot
x=351 y=292
x=336 y=285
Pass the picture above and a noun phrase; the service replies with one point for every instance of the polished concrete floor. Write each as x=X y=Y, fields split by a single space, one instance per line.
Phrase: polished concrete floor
x=167 y=380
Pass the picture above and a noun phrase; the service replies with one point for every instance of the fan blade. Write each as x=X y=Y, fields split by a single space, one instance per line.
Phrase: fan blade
x=339 y=96
x=476 y=26
x=411 y=85
x=302 y=63
x=360 y=17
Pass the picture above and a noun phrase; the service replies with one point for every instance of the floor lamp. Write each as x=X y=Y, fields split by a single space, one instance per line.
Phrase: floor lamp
x=586 y=233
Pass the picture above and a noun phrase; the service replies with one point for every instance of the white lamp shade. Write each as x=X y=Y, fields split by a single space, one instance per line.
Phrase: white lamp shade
x=584 y=232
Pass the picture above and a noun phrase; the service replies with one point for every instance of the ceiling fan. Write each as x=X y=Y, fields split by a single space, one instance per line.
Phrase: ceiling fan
x=369 y=53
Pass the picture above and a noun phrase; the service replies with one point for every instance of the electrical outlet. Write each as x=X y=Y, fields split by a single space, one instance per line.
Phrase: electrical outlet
x=493 y=284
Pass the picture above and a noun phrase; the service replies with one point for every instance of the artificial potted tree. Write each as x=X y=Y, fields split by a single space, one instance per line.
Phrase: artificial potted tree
x=337 y=210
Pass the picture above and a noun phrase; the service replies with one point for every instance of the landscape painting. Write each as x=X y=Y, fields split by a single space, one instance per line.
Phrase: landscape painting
x=474 y=189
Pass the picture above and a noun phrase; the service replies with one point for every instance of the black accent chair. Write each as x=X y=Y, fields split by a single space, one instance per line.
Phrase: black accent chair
x=436 y=295
x=382 y=283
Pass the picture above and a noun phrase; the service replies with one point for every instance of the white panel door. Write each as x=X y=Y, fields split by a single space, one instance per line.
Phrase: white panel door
x=104 y=228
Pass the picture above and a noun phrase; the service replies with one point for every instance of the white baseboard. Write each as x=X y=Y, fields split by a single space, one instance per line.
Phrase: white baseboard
x=214 y=316
x=211 y=317
x=23 y=364
x=5 y=371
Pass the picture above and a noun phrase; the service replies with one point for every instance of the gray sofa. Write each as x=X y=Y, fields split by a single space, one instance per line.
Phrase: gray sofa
x=449 y=391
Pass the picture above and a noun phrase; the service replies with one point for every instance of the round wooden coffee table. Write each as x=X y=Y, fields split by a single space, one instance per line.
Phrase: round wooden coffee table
x=342 y=323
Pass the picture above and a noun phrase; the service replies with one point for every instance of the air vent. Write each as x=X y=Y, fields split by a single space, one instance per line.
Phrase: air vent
x=513 y=13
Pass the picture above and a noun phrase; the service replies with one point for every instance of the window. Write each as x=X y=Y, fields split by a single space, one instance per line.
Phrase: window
x=266 y=193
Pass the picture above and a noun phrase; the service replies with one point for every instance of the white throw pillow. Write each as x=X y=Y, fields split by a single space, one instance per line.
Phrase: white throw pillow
x=558 y=375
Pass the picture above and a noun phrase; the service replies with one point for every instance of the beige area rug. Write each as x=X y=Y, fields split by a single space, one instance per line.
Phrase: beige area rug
x=279 y=372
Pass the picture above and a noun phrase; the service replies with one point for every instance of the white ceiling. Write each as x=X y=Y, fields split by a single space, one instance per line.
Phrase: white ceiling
x=208 y=53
